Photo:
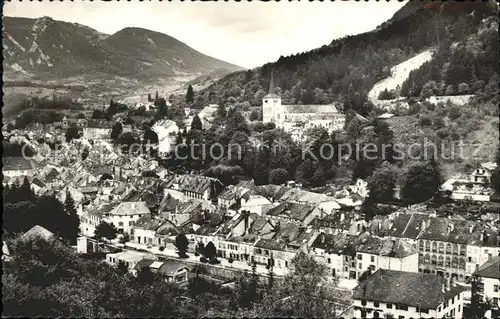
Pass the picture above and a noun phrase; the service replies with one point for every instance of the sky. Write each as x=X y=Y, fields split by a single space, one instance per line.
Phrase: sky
x=248 y=34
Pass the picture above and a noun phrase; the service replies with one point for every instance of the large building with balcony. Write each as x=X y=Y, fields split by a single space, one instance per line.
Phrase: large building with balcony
x=398 y=294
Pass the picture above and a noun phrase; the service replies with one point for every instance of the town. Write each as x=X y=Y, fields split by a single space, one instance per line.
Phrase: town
x=360 y=179
x=136 y=213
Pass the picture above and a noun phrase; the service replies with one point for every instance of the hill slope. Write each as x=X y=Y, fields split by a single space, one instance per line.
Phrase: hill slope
x=46 y=48
x=347 y=69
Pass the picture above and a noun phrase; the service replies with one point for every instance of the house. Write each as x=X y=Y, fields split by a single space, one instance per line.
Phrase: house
x=166 y=130
x=17 y=166
x=399 y=294
x=129 y=257
x=233 y=194
x=38 y=231
x=154 y=231
x=489 y=283
x=301 y=214
x=172 y=270
x=126 y=214
x=93 y=216
x=185 y=187
x=337 y=253
x=447 y=247
x=391 y=254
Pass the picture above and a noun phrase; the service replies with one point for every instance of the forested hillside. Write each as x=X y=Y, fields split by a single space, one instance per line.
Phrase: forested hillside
x=348 y=68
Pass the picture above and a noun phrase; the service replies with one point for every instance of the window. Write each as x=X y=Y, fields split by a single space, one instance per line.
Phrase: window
x=359 y=257
x=423 y=310
x=389 y=306
x=376 y=304
x=401 y=317
x=360 y=266
x=372 y=258
x=441 y=248
x=329 y=261
x=496 y=288
x=495 y=302
x=401 y=307
x=120 y=223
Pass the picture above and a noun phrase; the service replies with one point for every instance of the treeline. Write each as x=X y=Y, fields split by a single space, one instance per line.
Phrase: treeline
x=347 y=69
x=48 y=279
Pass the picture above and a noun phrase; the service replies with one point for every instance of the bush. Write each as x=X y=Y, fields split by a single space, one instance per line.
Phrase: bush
x=425 y=121
x=214 y=261
x=454 y=113
x=162 y=248
x=230 y=260
x=196 y=254
x=203 y=260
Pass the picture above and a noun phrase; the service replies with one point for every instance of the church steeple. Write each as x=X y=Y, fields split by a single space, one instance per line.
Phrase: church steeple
x=271 y=84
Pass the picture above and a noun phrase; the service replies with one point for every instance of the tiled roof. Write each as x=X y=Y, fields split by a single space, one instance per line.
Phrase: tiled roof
x=321 y=108
x=38 y=231
x=291 y=210
x=399 y=287
x=170 y=267
x=131 y=208
x=490 y=269
x=333 y=244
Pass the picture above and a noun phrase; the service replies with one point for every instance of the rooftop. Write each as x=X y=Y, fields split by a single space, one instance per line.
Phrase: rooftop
x=131 y=208
x=399 y=287
x=490 y=269
x=132 y=256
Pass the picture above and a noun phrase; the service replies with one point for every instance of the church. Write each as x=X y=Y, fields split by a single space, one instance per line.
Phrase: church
x=295 y=119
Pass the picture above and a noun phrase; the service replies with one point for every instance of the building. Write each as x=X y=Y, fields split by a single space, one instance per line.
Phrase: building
x=399 y=294
x=386 y=253
x=125 y=215
x=300 y=214
x=307 y=116
x=489 y=274
x=129 y=257
x=172 y=270
x=166 y=131
x=17 y=166
x=186 y=187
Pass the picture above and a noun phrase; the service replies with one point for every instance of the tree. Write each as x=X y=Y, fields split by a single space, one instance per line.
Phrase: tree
x=116 y=130
x=122 y=267
x=71 y=133
x=73 y=226
x=105 y=230
x=189 y=95
x=209 y=251
x=126 y=140
x=254 y=115
x=302 y=293
x=150 y=99
x=381 y=183
x=182 y=243
x=161 y=106
x=463 y=88
x=278 y=176
x=421 y=181
x=196 y=123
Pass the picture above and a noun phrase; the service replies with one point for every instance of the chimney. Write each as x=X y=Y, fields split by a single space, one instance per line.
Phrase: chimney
x=443 y=288
x=322 y=238
x=484 y=237
x=423 y=225
x=342 y=216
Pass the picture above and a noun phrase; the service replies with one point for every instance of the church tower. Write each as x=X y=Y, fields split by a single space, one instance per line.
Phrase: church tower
x=272 y=110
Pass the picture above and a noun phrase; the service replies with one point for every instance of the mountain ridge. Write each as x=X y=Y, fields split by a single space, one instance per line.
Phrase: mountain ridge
x=49 y=48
